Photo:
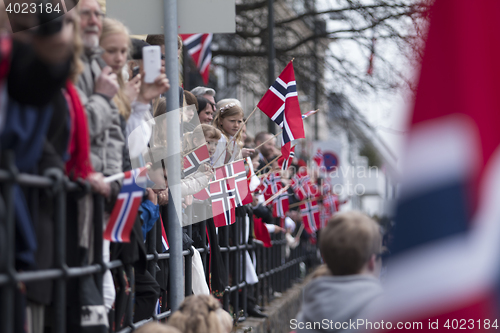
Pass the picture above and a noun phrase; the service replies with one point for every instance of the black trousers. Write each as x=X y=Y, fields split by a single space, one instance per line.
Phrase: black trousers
x=147 y=292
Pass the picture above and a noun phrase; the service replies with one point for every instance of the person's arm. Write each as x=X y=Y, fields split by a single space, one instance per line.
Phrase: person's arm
x=96 y=97
x=194 y=183
x=150 y=212
x=140 y=114
x=97 y=108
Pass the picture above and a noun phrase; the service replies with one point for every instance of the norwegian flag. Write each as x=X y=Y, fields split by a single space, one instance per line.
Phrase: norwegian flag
x=287 y=155
x=203 y=194
x=271 y=185
x=281 y=104
x=280 y=205
x=238 y=180
x=164 y=240
x=309 y=113
x=330 y=202
x=323 y=217
x=445 y=252
x=198 y=47
x=301 y=185
x=314 y=191
x=223 y=199
x=122 y=217
x=194 y=159
x=310 y=216
x=318 y=158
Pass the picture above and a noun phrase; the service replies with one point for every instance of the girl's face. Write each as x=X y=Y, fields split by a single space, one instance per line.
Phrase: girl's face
x=115 y=51
x=212 y=146
x=206 y=115
x=188 y=113
x=231 y=125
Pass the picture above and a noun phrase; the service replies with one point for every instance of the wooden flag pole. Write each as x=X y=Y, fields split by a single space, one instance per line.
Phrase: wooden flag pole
x=120 y=175
x=268 y=164
x=276 y=195
x=305 y=201
x=268 y=140
x=219 y=180
x=301 y=228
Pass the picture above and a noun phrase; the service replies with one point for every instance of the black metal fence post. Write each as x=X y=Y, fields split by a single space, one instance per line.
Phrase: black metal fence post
x=60 y=258
x=188 y=277
x=7 y=296
x=98 y=231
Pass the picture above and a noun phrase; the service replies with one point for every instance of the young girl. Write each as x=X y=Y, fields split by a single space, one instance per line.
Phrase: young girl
x=228 y=120
x=201 y=134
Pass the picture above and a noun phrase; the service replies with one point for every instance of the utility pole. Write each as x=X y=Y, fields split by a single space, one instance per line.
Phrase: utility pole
x=176 y=294
x=316 y=72
x=271 y=127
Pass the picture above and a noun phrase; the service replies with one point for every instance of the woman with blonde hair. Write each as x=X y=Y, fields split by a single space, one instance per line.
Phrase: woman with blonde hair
x=134 y=97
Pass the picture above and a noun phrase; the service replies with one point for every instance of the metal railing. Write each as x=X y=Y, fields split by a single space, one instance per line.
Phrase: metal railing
x=275 y=273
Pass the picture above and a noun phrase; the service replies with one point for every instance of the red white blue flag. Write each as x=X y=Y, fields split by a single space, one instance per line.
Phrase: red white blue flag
x=271 y=185
x=223 y=199
x=445 y=270
x=280 y=205
x=310 y=216
x=194 y=159
x=281 y=104
x=309 y=113
x=237 y=179
x=164 y=240
x=318 y=158
x=301 y=185
x=122 y=217
x=198 y=47
x=287 y=156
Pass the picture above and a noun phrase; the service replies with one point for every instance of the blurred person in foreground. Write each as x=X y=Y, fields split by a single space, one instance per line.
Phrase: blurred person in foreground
x=201 y=314
x=156 y=328
x=351 y=246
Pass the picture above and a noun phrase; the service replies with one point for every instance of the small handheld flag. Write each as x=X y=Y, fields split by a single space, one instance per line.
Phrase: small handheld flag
x=127 y=204
x=194 y=159
x=223 y=201
x=318 y=158
x=310 y=216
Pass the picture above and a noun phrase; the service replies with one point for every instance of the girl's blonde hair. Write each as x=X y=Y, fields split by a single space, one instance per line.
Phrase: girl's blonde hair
x=197 y=314
x=209 y=132
x=225 y=320
x=160 y=106
x=228 y=110
x=110 y=27
x=156 y=328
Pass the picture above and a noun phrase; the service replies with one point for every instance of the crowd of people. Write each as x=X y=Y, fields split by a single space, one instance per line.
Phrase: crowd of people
x=74 y=102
